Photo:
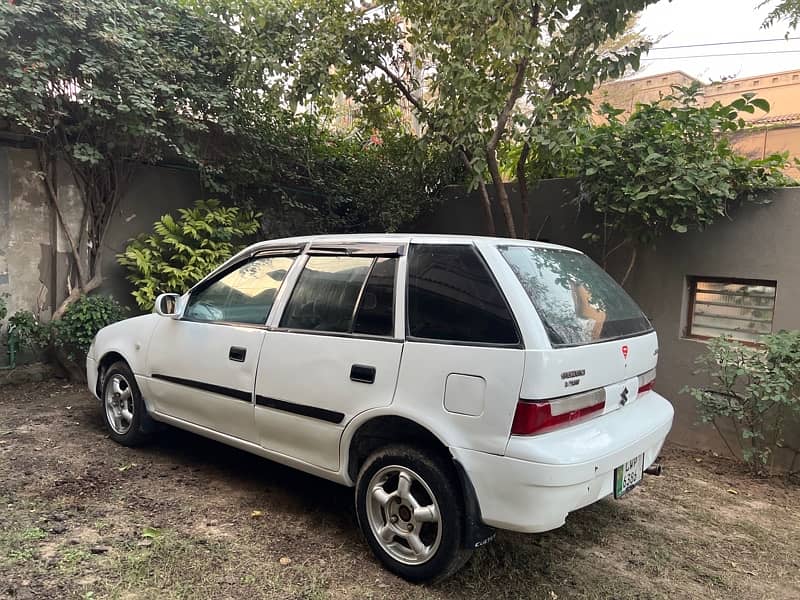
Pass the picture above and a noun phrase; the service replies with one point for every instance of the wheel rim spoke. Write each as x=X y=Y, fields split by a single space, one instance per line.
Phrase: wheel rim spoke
x=126 y=415
x=381 y=496
x=386 y=533
x=404 y=485
x=426 y=514
x=416 y=544
x=116 y=387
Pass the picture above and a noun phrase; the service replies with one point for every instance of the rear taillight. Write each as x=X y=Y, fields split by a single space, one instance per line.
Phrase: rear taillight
x=647 y=381
x=540 y=417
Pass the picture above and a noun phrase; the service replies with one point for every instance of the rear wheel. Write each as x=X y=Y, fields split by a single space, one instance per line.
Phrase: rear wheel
x=410 y=509
x=123 y=406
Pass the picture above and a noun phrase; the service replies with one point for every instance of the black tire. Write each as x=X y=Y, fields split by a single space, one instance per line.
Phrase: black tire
x=426 y=469
x=136 y=431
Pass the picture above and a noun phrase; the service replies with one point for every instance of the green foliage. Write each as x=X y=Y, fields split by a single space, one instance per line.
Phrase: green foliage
x=669 y=166
x=784 y=10
x=466 y=68
x=107 y=85
x=73 y=333
x=180 y=252
x=27 y=331
x=309 y=180
x=756 y=389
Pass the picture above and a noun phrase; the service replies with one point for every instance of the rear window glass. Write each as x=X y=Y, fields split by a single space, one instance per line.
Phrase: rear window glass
x=578 y=302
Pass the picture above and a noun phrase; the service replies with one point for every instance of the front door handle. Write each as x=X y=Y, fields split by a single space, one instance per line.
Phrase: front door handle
x=362 y=373
x=237 y=353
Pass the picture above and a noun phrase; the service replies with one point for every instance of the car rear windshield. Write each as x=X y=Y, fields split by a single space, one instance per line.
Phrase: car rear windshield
x=578 y=302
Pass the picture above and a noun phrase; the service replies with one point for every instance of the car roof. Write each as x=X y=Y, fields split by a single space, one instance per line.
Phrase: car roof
x=401 y=238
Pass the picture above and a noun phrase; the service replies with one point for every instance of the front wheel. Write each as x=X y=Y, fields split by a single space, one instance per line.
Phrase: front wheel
x=123 y=407
x=410 y=509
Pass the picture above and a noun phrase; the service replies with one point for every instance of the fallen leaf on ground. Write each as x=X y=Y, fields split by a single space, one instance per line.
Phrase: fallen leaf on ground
x=285 y=560
x=151 y=532
x=733 y=491
x=256 y=513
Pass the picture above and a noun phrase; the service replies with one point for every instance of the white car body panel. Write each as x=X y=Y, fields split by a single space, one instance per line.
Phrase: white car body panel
x=465 y=395
x=199 y=352
x=319 y=377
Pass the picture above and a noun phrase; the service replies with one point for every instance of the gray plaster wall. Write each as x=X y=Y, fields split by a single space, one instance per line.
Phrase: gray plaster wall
x=34 y=251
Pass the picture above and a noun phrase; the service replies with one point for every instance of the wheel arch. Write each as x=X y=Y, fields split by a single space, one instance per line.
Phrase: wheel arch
x=381 y=430
x=108 y=359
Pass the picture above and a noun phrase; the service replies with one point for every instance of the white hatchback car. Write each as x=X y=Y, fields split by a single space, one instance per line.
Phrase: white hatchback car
x=460 y=384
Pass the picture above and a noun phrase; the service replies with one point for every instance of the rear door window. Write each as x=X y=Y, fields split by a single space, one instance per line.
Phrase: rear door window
x=326 y=294
x=453 y=297
x=577 y=301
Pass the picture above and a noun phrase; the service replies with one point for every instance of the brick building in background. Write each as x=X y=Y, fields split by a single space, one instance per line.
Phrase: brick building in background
x=777 y=131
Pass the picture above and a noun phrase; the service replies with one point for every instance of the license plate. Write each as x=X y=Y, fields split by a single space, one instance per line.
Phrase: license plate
x=627 y=476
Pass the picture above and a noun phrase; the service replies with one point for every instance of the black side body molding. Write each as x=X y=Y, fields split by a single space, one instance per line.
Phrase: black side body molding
x=207 y=387
x=304 y=410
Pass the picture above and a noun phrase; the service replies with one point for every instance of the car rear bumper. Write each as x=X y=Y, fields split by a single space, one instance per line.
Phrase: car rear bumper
x=543 y=478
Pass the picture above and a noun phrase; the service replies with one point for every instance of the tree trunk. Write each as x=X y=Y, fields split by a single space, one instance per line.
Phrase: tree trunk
x=522 y=183
x=500 y=191
x=486 y=200
x=630 y=265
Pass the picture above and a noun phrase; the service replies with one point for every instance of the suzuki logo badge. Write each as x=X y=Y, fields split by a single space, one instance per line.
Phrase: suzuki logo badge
x=625 y=352
x=623 y=397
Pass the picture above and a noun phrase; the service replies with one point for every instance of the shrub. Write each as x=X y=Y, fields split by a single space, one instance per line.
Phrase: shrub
x=757 y=390
x=180 y=252
x=67 y=339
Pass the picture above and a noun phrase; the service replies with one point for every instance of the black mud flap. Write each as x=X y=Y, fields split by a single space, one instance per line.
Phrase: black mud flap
x=476 y=533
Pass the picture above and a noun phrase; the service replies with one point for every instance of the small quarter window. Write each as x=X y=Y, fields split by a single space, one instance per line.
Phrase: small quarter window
x=245 y=295
x=738 y=308
x=376 y=309
x=453 y=297
x=326 y=294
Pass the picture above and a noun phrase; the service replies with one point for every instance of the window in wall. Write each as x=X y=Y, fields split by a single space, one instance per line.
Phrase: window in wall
x=453 y=297
x=325 y=296
x=738 y=308
x=245 y=295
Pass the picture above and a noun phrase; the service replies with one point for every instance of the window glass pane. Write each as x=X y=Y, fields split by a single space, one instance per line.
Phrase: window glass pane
x=244 y=295
x=578 y=302
x=376 y=311
x=326 y=294
x=452 y=296
x=739 y=309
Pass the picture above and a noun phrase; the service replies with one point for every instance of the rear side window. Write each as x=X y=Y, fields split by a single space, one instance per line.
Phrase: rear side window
x=325 y=296
x=577 y=301
x=453 y=297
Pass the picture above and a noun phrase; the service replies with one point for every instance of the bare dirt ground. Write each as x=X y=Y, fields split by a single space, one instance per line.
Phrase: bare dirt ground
x=81 y=517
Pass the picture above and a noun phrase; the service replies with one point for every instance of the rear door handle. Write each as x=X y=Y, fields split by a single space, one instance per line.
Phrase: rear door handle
x=362 y=373
x=237 y=353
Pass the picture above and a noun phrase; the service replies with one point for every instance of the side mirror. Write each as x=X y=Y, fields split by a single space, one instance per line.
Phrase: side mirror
x=167 y=305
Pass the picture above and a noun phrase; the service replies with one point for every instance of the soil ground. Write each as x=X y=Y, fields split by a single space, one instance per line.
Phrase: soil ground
x=185 y=517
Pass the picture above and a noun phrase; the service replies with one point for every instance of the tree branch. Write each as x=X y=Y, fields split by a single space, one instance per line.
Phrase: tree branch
x=52 y=195
x=513 y=96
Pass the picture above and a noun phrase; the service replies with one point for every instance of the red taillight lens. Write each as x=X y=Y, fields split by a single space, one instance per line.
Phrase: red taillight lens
x=647 y=381
x=540 y=417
